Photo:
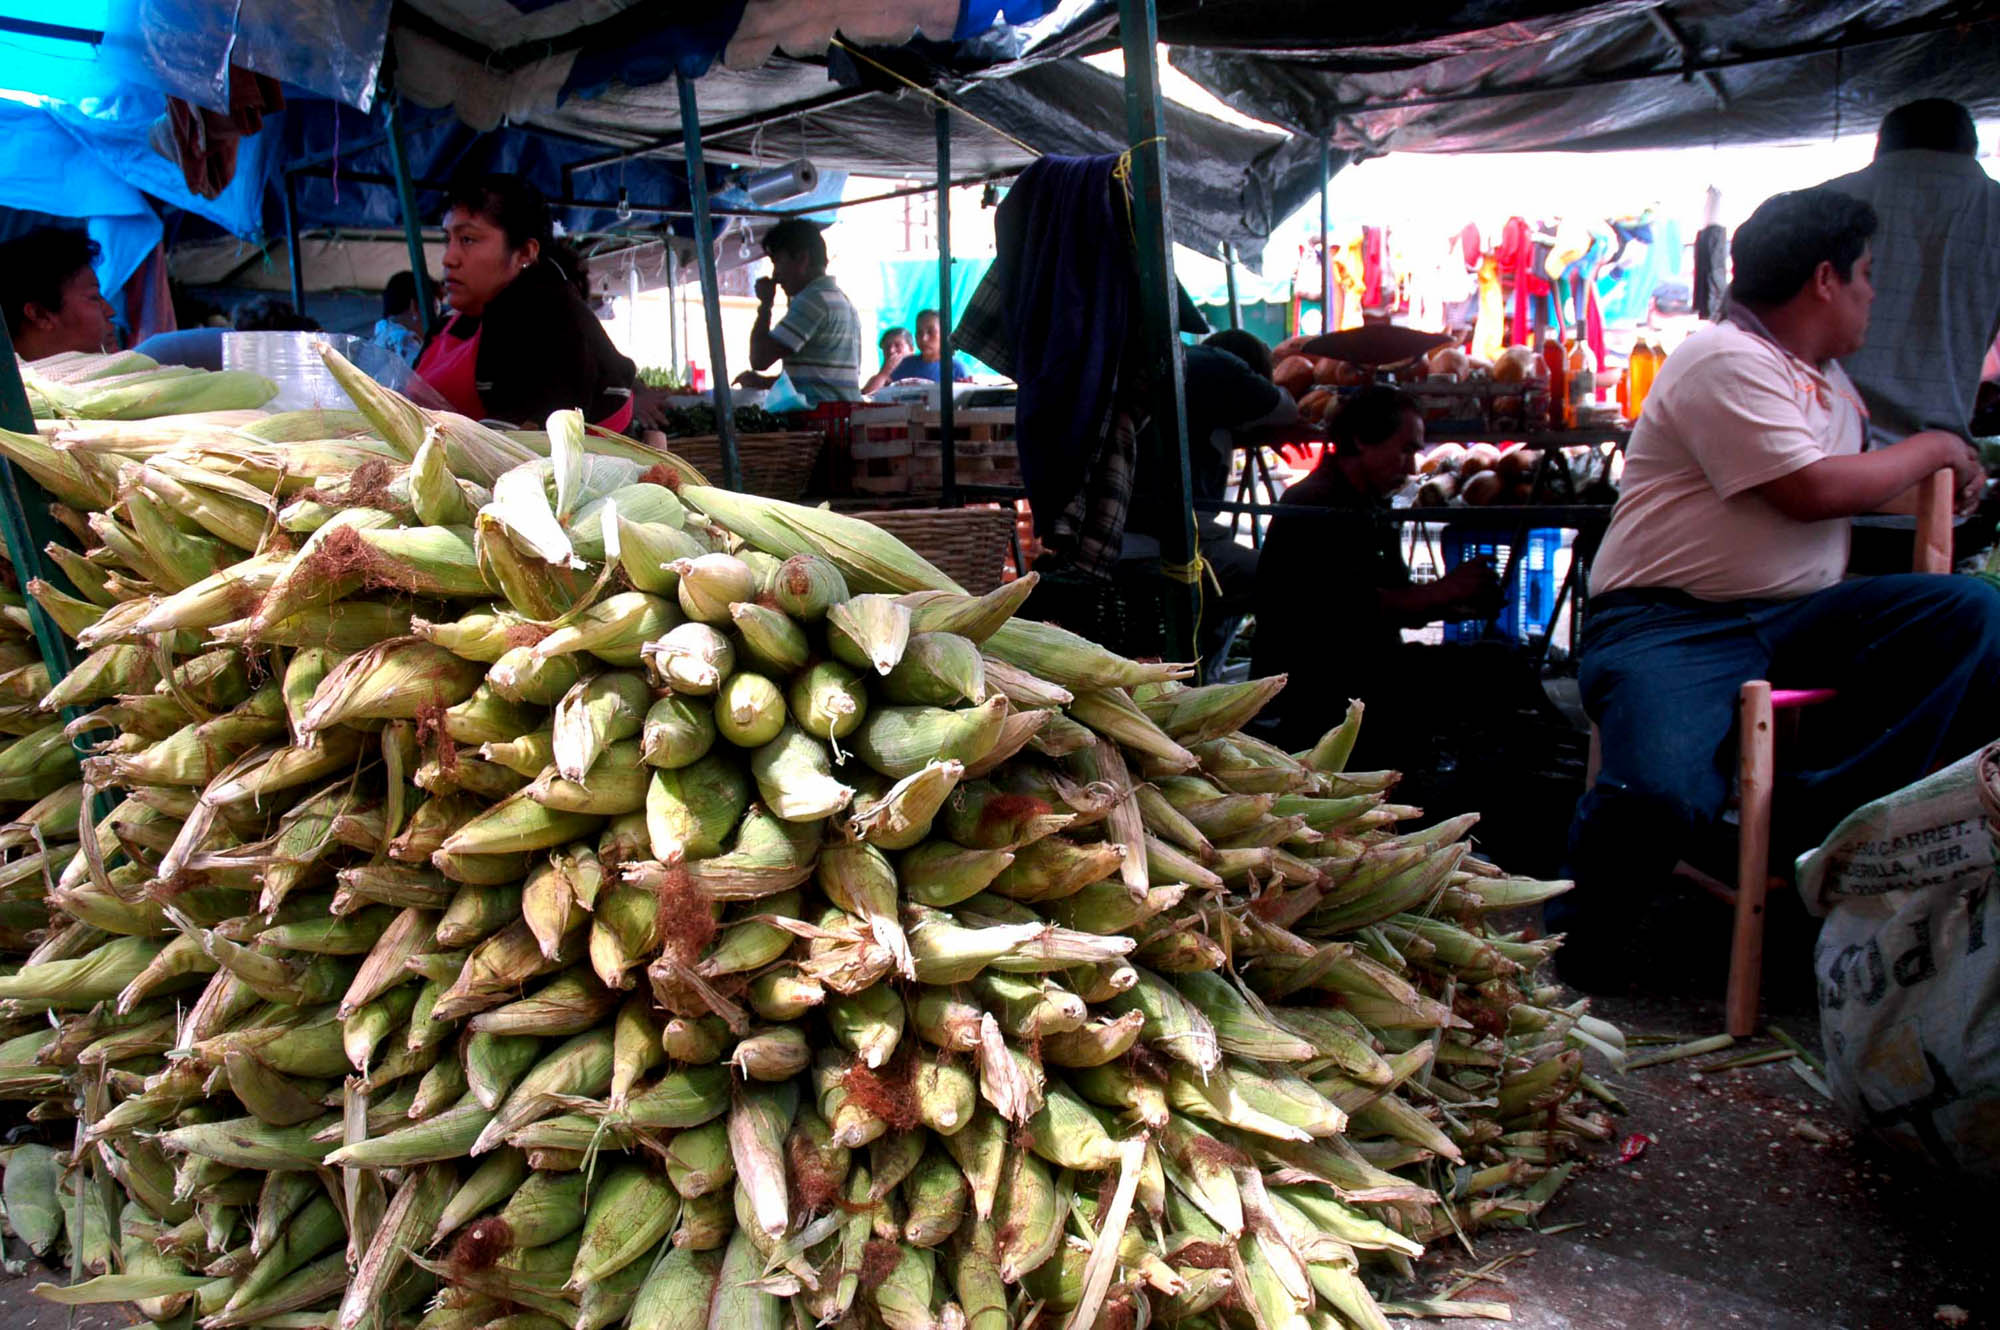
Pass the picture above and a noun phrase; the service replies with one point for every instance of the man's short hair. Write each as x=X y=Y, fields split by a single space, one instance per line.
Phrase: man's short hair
x=1369 y=417
x=399 y=293
x=36 y=265
x=1776 y=252
x=1935 y=123
x=1247 y=347
x=796 y=235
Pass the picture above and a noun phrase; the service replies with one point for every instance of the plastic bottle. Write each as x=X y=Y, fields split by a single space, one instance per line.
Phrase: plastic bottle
x=1582 y=381
x=1645 y=363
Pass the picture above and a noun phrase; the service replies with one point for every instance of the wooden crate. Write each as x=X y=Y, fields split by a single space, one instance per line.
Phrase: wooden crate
x=984 y=455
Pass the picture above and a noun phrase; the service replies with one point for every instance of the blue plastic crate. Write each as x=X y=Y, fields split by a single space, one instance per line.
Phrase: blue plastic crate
x=1530 y=592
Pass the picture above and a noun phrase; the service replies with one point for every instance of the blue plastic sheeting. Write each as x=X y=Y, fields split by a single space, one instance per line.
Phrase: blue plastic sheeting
x=655 y=57
x=438 y=145
x=93 y=161
x=975 y=17
x=184 y=48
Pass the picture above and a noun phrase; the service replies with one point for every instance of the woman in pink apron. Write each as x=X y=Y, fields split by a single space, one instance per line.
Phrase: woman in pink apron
x=520 y=342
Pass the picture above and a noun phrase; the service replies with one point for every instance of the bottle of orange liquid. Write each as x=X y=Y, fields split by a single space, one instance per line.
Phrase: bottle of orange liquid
x=1645 y=364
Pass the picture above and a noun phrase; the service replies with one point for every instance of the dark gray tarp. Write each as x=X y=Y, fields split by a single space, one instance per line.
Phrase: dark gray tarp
x=1220 y=177
x=1503 y=77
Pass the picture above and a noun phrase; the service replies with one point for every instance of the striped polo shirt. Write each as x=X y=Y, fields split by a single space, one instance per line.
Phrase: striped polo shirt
x=822 y=337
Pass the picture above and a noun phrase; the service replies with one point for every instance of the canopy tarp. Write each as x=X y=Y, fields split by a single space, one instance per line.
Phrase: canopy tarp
x=1517 y=75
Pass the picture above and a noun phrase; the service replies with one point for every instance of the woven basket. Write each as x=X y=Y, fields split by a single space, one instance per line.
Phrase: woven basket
x=777 y=466
x=971 y=546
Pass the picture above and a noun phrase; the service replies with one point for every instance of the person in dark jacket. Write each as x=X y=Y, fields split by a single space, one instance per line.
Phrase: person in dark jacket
x=520 y=342
x=1334 y=594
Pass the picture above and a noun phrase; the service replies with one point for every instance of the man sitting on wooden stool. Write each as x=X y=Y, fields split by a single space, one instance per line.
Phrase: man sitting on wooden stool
x=1723 y=563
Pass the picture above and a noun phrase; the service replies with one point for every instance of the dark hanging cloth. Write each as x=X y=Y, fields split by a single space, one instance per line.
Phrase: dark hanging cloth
x=1711 y=271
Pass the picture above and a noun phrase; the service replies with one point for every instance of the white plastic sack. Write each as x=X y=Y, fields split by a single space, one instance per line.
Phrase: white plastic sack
x=1909 y=964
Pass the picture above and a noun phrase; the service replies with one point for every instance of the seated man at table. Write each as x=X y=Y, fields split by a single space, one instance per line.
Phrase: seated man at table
x=1723 y=564
x=1230 y=401
x=819 y=339
x=1334 y=594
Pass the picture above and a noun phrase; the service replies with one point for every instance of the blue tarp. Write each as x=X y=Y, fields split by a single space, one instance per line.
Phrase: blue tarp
x=184 y=48
x=438 y=144
x=92 y=161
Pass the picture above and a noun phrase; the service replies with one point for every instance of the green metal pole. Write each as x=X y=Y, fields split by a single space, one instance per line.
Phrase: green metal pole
x=1139 y=27
x=294 y=260
x=947 y=407
x=406 y=200
x=1325 y=236
x=1229 y=275
x=711 y=289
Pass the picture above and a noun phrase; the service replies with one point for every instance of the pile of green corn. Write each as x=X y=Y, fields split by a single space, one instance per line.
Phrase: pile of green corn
x=527 y=887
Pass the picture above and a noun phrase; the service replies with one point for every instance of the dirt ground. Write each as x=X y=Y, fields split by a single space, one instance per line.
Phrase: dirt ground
x=1751 y=1206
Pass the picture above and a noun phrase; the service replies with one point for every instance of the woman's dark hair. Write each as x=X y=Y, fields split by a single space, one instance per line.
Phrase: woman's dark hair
x=796 y=235
x=1936 y=123
x=1369 y=416
x=882 y=342
x=270 y=314
x=930 y=314
x=1247 y=347
x=36 y=265
x=399 y=293
x=507 y=201
x=1776 y=252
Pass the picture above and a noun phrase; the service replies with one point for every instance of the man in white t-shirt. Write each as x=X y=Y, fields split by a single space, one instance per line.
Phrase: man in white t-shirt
x=1724 y=559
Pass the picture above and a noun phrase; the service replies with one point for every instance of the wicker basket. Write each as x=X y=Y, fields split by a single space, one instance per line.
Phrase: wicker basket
x=777 y=466
x=972 y=546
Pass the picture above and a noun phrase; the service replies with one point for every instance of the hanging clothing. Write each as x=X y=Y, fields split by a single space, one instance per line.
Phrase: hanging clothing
x=1373 y=264
x=1521 y=258
x=1627 y=292
x=1489 y=332
x=204 y=142
x=1711 y=271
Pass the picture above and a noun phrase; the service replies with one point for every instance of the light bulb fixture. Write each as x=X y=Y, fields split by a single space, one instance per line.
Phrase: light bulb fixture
x=989 y=197
x=778 y=183
x=624 y=205
x=743 y=241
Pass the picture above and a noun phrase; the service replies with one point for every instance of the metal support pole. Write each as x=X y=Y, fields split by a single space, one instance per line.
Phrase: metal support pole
x=1229 y=275
x=673 y=311
x=711 y=290
x=1139 y=28
x=28 y=527
x=947 y=407
x=294 y=260
x=406 y=200
x=1325 y=236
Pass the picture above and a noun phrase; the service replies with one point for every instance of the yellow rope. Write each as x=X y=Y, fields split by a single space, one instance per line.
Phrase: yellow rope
x=945 y=102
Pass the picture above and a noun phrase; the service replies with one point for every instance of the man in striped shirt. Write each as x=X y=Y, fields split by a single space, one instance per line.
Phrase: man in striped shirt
x=819 y=338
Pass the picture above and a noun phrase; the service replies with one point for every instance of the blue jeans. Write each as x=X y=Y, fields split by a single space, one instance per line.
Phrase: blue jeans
x=1915 y=659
